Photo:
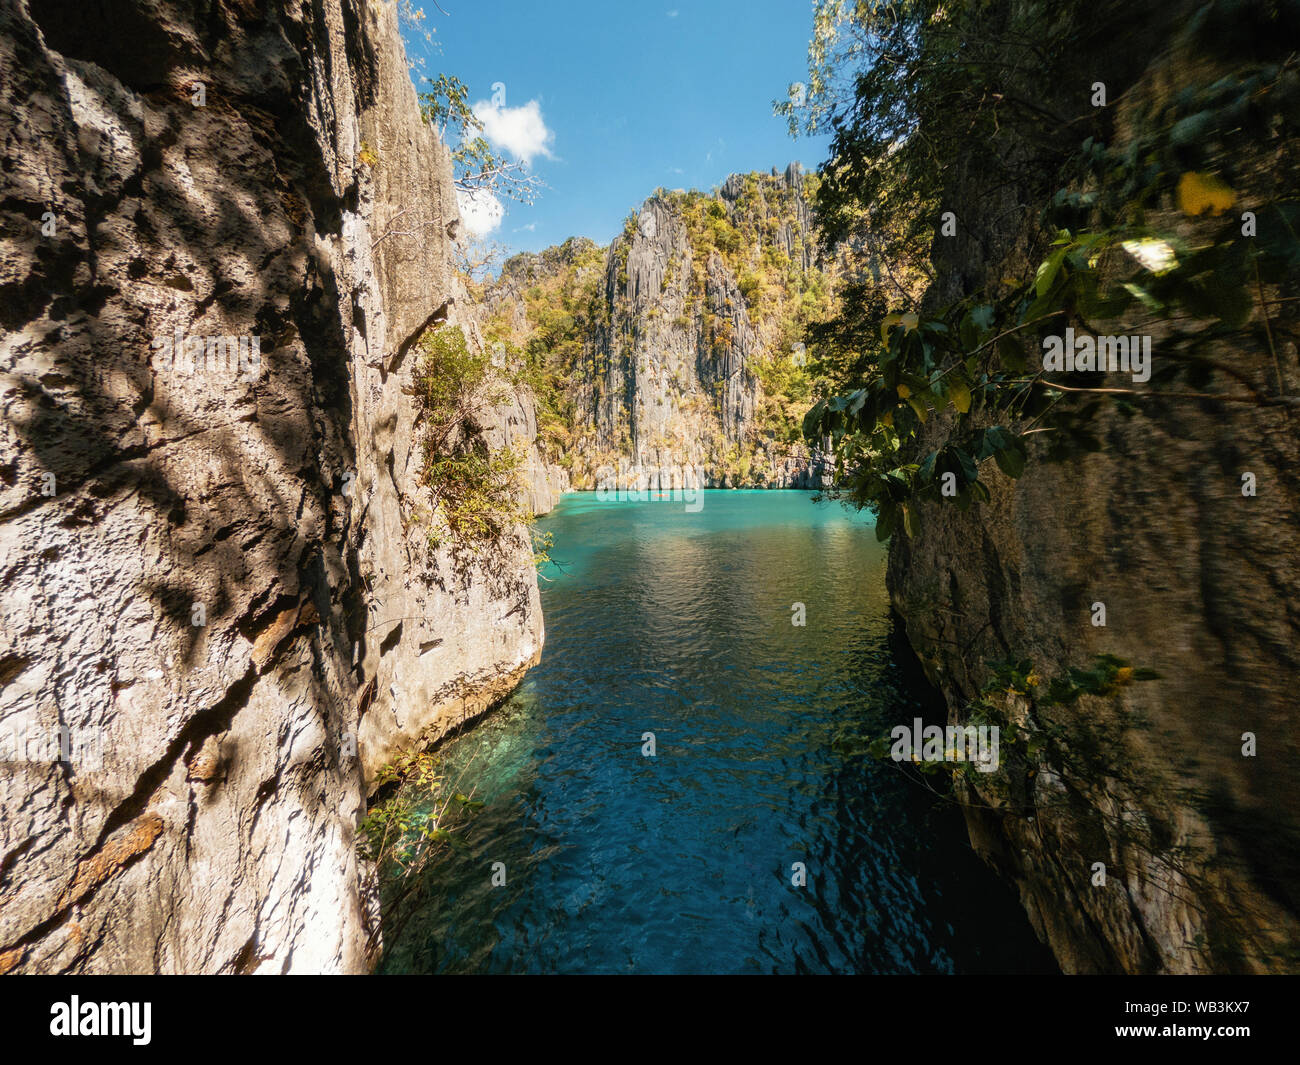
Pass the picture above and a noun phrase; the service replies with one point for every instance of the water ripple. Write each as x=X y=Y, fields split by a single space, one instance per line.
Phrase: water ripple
x=680 y=624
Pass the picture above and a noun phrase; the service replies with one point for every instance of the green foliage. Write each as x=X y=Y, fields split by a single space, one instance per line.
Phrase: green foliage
x=417 y=817
x=446 y=105
x=921 y=369
x=565 y=300
x=971 y=369
x=970 y=361
x=542 y=544
x=474 y=486
x=1107 y=676
x=563 y=306
x=449 y=380
x=916 y=91
x=477 y=491
x=1027 y=738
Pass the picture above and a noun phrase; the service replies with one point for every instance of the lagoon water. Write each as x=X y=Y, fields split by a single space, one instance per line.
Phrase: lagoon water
x=677 y=623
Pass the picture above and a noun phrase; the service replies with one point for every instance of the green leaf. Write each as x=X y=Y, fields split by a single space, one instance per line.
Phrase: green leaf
x=813 y=419
x=970 y=471
x=1011 y=352
x=885 y=521
x=959 y=393
x=1011 y=459
x=1048 y=270
x=989 y=440
x=1148 y=300
x=925 y=472
x=983 y=316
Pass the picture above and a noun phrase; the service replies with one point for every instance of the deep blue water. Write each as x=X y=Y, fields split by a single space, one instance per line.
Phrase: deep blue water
x=676 y=623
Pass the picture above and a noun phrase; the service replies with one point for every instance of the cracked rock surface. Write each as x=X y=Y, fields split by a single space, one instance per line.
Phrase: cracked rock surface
x=218 y=616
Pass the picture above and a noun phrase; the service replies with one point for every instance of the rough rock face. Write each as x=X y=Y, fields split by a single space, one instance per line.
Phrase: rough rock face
x=218 y=617
x=664 y=392
x=544 y=482
x=1199 y=583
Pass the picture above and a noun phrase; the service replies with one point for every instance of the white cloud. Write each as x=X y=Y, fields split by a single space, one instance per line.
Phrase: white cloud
x=479 y=210
x=525 y=229
x=672 y=13
x=519 y=130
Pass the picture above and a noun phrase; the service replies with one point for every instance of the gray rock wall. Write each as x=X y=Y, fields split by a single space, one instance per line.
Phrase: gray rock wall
x=214 y=589
x=1199 y=843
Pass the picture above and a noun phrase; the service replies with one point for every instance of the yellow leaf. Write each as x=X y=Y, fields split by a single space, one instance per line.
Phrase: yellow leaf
x=904 y=391
x=909 y=520
x=1198 y=193
x=910 y=321
x=890 y=321
x=887 y=418
x=960 y=396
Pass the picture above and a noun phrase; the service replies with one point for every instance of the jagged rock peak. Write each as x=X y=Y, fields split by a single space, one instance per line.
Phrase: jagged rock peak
x=528 y=265
x=680 y=350
x=792 y=179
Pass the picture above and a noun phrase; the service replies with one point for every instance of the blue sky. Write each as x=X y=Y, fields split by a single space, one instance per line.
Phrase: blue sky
x=633 y=95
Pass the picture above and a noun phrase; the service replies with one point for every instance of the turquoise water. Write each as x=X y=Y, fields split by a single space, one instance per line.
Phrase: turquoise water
x=680 y=624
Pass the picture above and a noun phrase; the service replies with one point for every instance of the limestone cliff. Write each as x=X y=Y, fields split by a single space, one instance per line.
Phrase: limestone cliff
x=222 y=231
x=1199 y=582
x=673 y=357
